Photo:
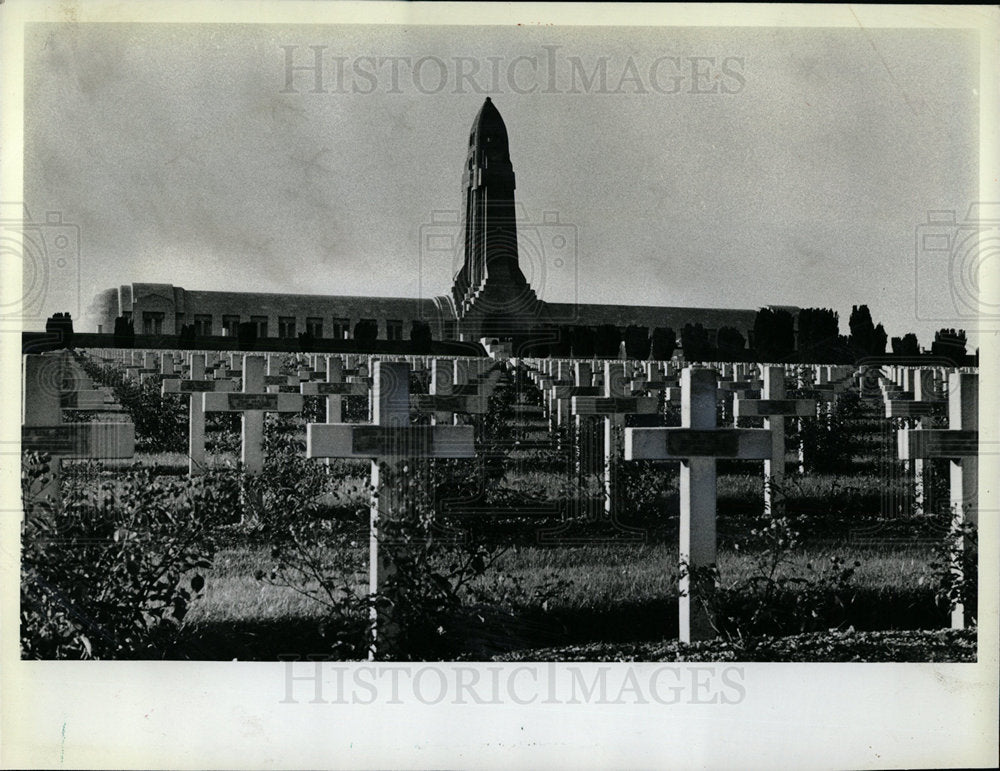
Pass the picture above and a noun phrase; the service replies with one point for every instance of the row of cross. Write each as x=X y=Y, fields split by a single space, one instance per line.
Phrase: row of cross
x=697 y=444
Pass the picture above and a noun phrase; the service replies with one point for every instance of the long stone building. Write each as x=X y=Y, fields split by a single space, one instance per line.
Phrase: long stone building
x=490 y=296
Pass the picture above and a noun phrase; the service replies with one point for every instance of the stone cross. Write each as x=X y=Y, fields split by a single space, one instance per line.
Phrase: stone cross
x=959 y=443
x=42 y=429
x=923 y=407
x=774 y=408
x=442 y=403
x=697 y=444
x=387 y=442
x=273 y=379
x=252 y=402
x=334 y=389
x=613 y=407
x=196 y=386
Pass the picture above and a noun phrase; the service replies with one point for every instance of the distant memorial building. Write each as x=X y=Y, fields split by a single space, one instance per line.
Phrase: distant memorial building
x=490 y=296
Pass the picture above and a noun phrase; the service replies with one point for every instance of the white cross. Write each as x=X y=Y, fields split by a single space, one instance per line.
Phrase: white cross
x=196 y=386
x=252 y=402
x=960 y=444
x=696 y=444
x=386 y=443
x=443 y=403
x=334 y=389
x=774 y=408
x=613 y=407
x=924 y=406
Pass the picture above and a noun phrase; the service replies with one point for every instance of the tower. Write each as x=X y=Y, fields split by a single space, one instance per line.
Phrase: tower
x=490 y=293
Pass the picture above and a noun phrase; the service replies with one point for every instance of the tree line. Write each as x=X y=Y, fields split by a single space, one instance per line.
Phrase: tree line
x=775 y=337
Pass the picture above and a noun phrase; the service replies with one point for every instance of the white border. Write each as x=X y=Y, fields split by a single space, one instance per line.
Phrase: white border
x=197 y=715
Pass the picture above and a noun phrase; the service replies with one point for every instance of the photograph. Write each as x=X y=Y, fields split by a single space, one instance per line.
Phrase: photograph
x=525 y=356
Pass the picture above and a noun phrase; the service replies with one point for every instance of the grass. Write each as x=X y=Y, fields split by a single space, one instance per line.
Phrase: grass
x=608 y=594
x=597 y=575
x=596 y=591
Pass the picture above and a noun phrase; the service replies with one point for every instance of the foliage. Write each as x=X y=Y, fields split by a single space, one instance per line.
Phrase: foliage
x=160 y=420
x=562 y=341
x=420 y=336
x=828 y=439
x=246 y=335
x=819 y=336
x=108 y=571
x=773 y=335
x=731 y=344
x=607 y=340
x=61 y=324
x=662 y=344
x=307 y=341
x=949 y=343
x=186 y=336
x=637 y=342
x=695 y=343
x=431 y=596
x=955 y=570
x=907 y=345
x=582 y=341
x=867 y=339
x=773 y=599
x=124 y=333
x=365 y=333
x=642 y=490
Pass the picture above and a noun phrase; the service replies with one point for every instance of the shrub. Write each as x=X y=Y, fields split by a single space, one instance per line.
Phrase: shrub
x=161 y=422
x=955 y=570
x=773 y=600
x=107 y=573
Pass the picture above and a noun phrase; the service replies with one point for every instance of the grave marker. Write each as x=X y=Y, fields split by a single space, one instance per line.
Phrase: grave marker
x=253 y=402
x=774 y=408
x=697 y=445
x=387 y=442
x=195 y=387
x=613 y=407
x=959 y=443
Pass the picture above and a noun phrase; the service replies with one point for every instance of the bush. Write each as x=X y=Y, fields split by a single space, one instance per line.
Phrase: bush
x=773 y=600
x=161 y=422
x=109 y=571
x=437 y=554
x=955 y=570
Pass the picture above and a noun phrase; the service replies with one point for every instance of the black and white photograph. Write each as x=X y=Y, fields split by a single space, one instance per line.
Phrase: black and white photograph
x=614 y=370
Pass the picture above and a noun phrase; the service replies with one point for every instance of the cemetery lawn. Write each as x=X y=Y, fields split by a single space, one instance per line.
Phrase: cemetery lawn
x=615 y=602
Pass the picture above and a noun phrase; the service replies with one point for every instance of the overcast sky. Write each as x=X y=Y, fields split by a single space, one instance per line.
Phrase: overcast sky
x=712 y=167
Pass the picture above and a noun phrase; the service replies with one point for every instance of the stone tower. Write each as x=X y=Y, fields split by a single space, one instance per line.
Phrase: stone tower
x=490 y=294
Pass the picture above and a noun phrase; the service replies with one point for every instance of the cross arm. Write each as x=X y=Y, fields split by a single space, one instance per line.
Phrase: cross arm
x=241 y=402
x=684 y=443
x=348 y=440
x=764 y=408
x=937 y=443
